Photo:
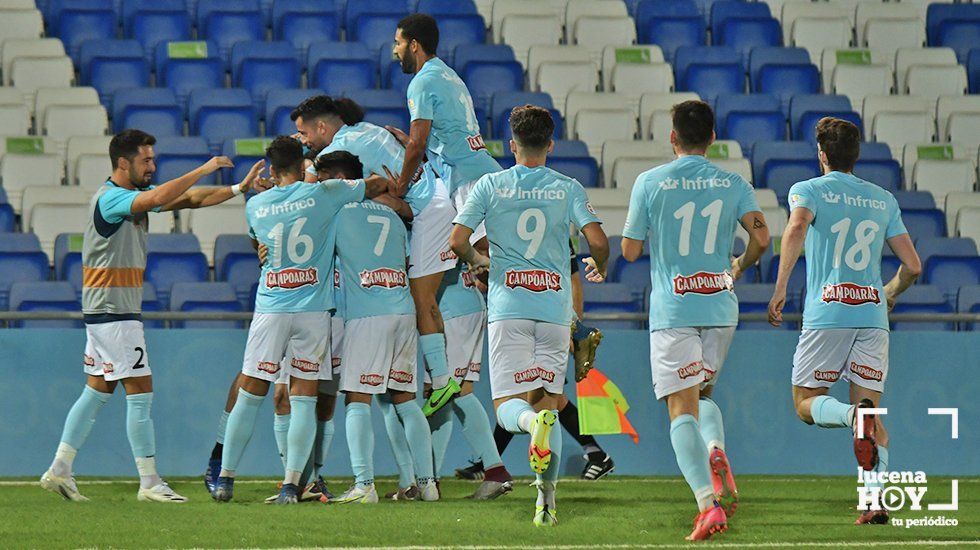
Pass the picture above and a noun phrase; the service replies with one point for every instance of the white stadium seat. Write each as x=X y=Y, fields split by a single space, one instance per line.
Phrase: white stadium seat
x=596 y=126
x=78 y=95
x=65 y=121
x=958 y=201
x=15 y=119
x=91 y=170
x=829 y=61
x=906 y=57
x=28 y=47
x=792 y=12
x=504 y=8
x=560 y=79
x=522 y=32
x=30 y=73
x=548 y=53
x=47 y=221
x=876 y=9
x=890 y=35
x=595 y=33
x=577 y=9
x=635 y=79
x=940 y=177
x=610 y=205
x=617 y=150
x=85 y=146
x=964 y=128
x=817 y=34
x=933 y=81
x=912 y=152
x=21 y=24
x=739 y=166
x=637 y=54
x=163 y=222
x=51 y=194
x=968 y=223
x=655 y=113
x=578 y=101
x=627 y=169
x=766 y=198
x=950 y=105
x=860 y=81
x=207 y=224
x=897 y=129
x=20 y=171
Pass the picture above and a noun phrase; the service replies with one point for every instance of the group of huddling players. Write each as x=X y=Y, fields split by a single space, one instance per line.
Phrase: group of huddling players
x=378 y=244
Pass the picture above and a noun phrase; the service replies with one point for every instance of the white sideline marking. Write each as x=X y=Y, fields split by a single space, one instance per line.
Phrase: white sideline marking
x=605 y=480
x=830 y=544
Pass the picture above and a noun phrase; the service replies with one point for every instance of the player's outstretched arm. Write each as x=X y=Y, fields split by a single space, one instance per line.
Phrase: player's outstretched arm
x=400 y=207
x=459 y=241
x=598 y=262
x=418 y=136
x=168 y=192
x=908 y=272
x=755 y=224
x=202 y=197
x=791 y=247
x=377 y=185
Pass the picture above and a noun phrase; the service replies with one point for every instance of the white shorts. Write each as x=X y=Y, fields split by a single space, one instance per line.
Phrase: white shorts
x=116 y=350
x=527 y=355
x=331 y=386
x=301 y=338
x=464 y=347
x=462 y=192
x=687 y=356
x=380 y=354
x=856 y=355
x=429 y=247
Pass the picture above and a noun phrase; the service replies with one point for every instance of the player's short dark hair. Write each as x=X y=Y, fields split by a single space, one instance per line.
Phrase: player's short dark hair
x=126 y=144
x=840 y=140
x=694 y=123
x=344 y=162
x=423 y=29
x=532 y=126
x=285 y=154
x=323 y=105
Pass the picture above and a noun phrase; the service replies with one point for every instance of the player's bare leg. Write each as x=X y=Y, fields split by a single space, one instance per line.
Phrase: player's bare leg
x=874 y=435
x=432 y=340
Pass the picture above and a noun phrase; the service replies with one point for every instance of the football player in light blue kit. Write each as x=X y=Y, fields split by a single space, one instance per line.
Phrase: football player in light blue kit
x=292 y=308
x=689 y=209
x=327 y=125
x=528 y=210
x=844 y=222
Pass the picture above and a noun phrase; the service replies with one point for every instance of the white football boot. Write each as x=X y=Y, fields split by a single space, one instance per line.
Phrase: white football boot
x=159 y=493
x=64 y=486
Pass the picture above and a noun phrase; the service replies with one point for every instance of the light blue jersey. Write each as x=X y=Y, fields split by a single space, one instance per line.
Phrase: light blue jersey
x=340 y=303
x=851 y=221
x=455 y=146
x=116 y=203
x=688 y=210
x=372 y=246
x=527 y=213
x=293 y=221
x=461 y=298
x=377 y=148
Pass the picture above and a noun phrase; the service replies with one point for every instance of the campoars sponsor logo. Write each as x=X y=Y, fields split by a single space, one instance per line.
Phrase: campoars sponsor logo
x=336 y=278
x=532 y=374
x=535 y=280
x=268 y=366
x=867 y=372
x=469 y=280
x=446 y=255
x=689 y=370
x=703 y=282
x=850 y=294
x=402 y=377
x=383 y=277
x=476 y=142
x=107 y=368
x=292 y=278
x=305 y=366
x=372 y=379
x=88 y=360
x=826 y=375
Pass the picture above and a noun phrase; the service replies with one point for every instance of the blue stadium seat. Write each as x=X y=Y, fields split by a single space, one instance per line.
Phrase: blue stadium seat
x=8 y=219
x=959 y=35
x=689 y=55
x=178 y=156
x=501 y=125
x=973 y=70
x=884 y=173
x=711 y=80
x=66 y=245
x=763 y=153
x=130 y=8
x=807 y=128
x=44 y=296
x=217 y=115
x=243 y=160
x=797 y=281
x=393 y=78
x=614 y=298
x=110 y=65
x=968 y=301
x=634 y=274
x=150 y=28
x=226 y=28
x=670 y=24
x=378 y=99
x=914 y=199
x=174 y=258
x=338 y=67
x=925 y=223
x=464 y=53
x=584 y=169
x=236 y=262
x=780 y=175
x=151 y=303
x=153 y=110
x=458 y=30
x=723 y=11
x=215 y=297
x=922 y=299
x=263 y=66
x=889 y=263
x=503 y=102
x=207 y=7
x=52 y=10
x=172 y=242
x=754 y=298
x=569 y=148
x=786 y=81
x=303 y=29
x=279 y=103
x=802 y=104
x=356 y=8
x=873 y=150
x=376 y=30
x=485 y=78
x=21 y=260
x=388 y=116
x=940 y=14
x=282 y=8
x=951 y=247
x=183 y=75
x=762 y=56
x=76 y=26
x=445 y=7
x=745 y=34
x=750 y=118
x=949 y=263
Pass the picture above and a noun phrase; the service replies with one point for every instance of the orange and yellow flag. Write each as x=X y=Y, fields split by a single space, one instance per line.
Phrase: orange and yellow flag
x=602 y=407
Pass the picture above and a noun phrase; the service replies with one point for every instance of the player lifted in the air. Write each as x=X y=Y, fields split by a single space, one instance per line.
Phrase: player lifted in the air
x=689 y=210
x=844 y=223
x=113 y=261
x=292 y=307
x=527 y=211
x=380 y=340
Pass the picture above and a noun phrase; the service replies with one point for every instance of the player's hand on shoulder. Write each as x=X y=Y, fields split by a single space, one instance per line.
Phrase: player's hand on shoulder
x=776 y=305
x=263 y=252
x=401 y=136
x=217 y=163
x=592 y=273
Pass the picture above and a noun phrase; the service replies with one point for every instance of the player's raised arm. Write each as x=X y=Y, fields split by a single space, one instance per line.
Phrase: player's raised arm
x=791 y=246
x=202 y=197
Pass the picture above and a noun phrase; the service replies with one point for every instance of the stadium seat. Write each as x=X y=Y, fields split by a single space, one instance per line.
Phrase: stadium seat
x=786 y=81
x=110 y=65
x=226 y=28
x=375 y=30
x=596 y=126
x=968 y=301
x=964 y=128
x=236 y=262
x=263 y=66
x=767 y=158
x=303 y=29
x=584 y=169
x=68 y=257
x=47 y=221
x=243 y=152
x=922 y=299
x=634 y=274
x=832 y=57
x=77 y=26
x=8 y=220
x=21 y=24
x=150 y=28
x=934 y=81
x=64 y=121
x=81 y=148
x=27 y=47
x=940 y=177
x=36 y=196
x=523 y=32
x=130 y=8
x=171 y=259
x=744 y=34
x=958 y=201
x=202 y=296
x=187 y=66
x=872 y=13
x=968 y=222
x=899 y=110
x=180 y=155
x=217 y=115
x=883 y=173
x=949 y=106
x=915 y=200
x=21 y=260
x=806 y=131
x=485 y=78
x=466 y=53
x=973 y=68
x=940 y=15
x=541 y=54
x=558 y=79
x=502 y=8
x=633 y=152
x=340 y=67
x=762 y=56
x=750 y=118
x=859 y=81
x=575 y=11
x=454 y=31
x=207 y=225
x=754 y=298
x=818 y=33
x=905 y=58
x=28 y=74
x=924 y=223
x=723 y=11
x=889 y=35
x=44 y=296
x=705 y=55
x=15 y=119
x=581 y=100
x=153 y=110
x=670 y=24
x=446 y=7
x=279 y=103
x=711 y=80
x=640 y=63
x=961 y=36
x=614 y=298
x=503 y=102
x=20 y=171
x=358 y=8
x=598 y=32
x=655 y=120
x=77 y=95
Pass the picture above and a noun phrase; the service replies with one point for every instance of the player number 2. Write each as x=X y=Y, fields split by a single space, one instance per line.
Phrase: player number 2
x=379 y=246
x=864 y=233
x=295 y=241
x=686 y=215
x=534 y=236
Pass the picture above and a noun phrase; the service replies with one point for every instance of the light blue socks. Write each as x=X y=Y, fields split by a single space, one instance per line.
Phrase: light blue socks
x=241 y=424
x=441 y=426
x=434 y=350
x=222 y=425
x=302 y=433
x=321 y=447
x=476 y=429
x=78 y=424
x=280 y=428
x=139 y=425
x=828 y=412
x=516 y=416
x=419 y=439
x=712 y=426
x=881 y=467
x=692 y=458
x=360 y=440
x=398 y=442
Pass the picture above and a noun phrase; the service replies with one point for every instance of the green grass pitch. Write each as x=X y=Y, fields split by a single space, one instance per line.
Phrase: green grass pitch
x=620 y=512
